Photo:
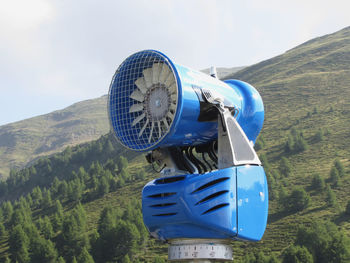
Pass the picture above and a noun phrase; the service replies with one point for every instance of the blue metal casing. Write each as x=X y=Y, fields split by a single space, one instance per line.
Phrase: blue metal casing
x=228 y=203
x=185 y=128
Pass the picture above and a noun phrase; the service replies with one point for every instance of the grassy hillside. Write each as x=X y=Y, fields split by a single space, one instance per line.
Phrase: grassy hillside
x=24 y=141
x=306 y=88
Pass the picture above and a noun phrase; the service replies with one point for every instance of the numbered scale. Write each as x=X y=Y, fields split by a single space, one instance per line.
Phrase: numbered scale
x=199 y=249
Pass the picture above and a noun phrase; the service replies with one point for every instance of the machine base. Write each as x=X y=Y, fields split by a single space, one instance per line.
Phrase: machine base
x=199 y=250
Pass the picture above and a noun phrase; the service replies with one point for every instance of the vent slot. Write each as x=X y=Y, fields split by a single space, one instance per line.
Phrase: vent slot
x=215 y=208
x=161 y=195
x=167 y=214
x=212 y=196
x=168 y=180
x=210 y=184
x=163 y=205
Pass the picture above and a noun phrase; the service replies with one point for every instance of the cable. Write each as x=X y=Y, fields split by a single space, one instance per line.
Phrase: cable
x=152 y=162
x=193 y=160
x=203 y=157
x=198 y=161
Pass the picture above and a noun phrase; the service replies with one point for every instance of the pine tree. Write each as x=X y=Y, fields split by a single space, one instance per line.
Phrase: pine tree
x=285 y=167
x=63 y=189
x=334 y=176
x=298 y=200
x=122 y=163
x=61 y=260
x=18 y=243
x=107 y=221
x=319 y=135
x=58 y=216
x=282 y=197
x=47 y=200
x=297 y=254
x=37 y=196
x=85 y=257
x=340 y=167
x=324 y=241
x=46 y=228
x=126 y=259
x=7 y=210
x=103 y=186
x=128 y=237
x=73 y=237
x=42 y=250
x=331 y=198
x=317 y=182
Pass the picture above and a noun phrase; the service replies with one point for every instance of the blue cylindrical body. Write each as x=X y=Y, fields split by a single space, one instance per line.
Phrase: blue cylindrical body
x=185 y=128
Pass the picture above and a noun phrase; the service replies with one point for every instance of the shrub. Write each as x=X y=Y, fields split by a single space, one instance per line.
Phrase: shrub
x=298 y=200
x=317 y=182
x=297 y=254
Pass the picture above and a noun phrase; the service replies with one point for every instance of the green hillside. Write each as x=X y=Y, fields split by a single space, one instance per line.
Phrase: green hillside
x=24 y=141
x=304 y=147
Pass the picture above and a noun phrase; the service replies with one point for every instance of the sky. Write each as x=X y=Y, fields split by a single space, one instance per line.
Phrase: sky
x=54 y=53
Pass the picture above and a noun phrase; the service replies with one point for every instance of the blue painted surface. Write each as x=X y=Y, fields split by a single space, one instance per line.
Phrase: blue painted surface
x=252 y=202
x=197 y=207
x=187 y=217
x=185 y=129
x=251 y=117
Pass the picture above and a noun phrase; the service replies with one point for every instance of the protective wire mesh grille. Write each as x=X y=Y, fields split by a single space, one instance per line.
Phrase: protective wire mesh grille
x=142 y=100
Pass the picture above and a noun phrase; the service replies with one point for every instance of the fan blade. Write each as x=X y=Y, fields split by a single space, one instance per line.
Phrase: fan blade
x=172 y=106
x=147 y=73
x=173 y=97
x=165 y=123
x=138 y=119
x=159 y=130
x=136 y=108
x=137 y=95
x=170 y=80
x=156 y=68
x=140 y=83
x=164 y=73
x=150 y=133
x=172 y=88
x=170 y=115
x=143 y=128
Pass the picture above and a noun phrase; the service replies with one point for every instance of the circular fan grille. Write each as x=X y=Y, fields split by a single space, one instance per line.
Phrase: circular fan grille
x=142 y=100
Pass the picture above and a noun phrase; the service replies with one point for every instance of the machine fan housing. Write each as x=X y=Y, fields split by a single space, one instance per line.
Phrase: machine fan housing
x=154 y=102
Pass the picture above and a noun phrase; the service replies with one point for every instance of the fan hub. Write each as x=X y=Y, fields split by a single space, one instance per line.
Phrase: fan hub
x=157 y=102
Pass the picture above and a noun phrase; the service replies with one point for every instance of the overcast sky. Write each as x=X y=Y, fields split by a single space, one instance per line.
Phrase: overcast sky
x=57 y=52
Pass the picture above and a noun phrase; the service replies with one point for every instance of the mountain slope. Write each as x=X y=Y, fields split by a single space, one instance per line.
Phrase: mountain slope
x=24 y=141
x=313 y=77
x=306 y=89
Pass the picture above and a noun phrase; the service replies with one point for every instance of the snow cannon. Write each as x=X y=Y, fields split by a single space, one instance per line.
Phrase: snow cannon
x=198 y=133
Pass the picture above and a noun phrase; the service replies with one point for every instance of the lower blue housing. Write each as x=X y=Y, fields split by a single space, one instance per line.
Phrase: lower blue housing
x=228 y=203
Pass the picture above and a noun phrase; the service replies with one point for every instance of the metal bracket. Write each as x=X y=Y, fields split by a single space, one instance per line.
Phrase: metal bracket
x=234 y=148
